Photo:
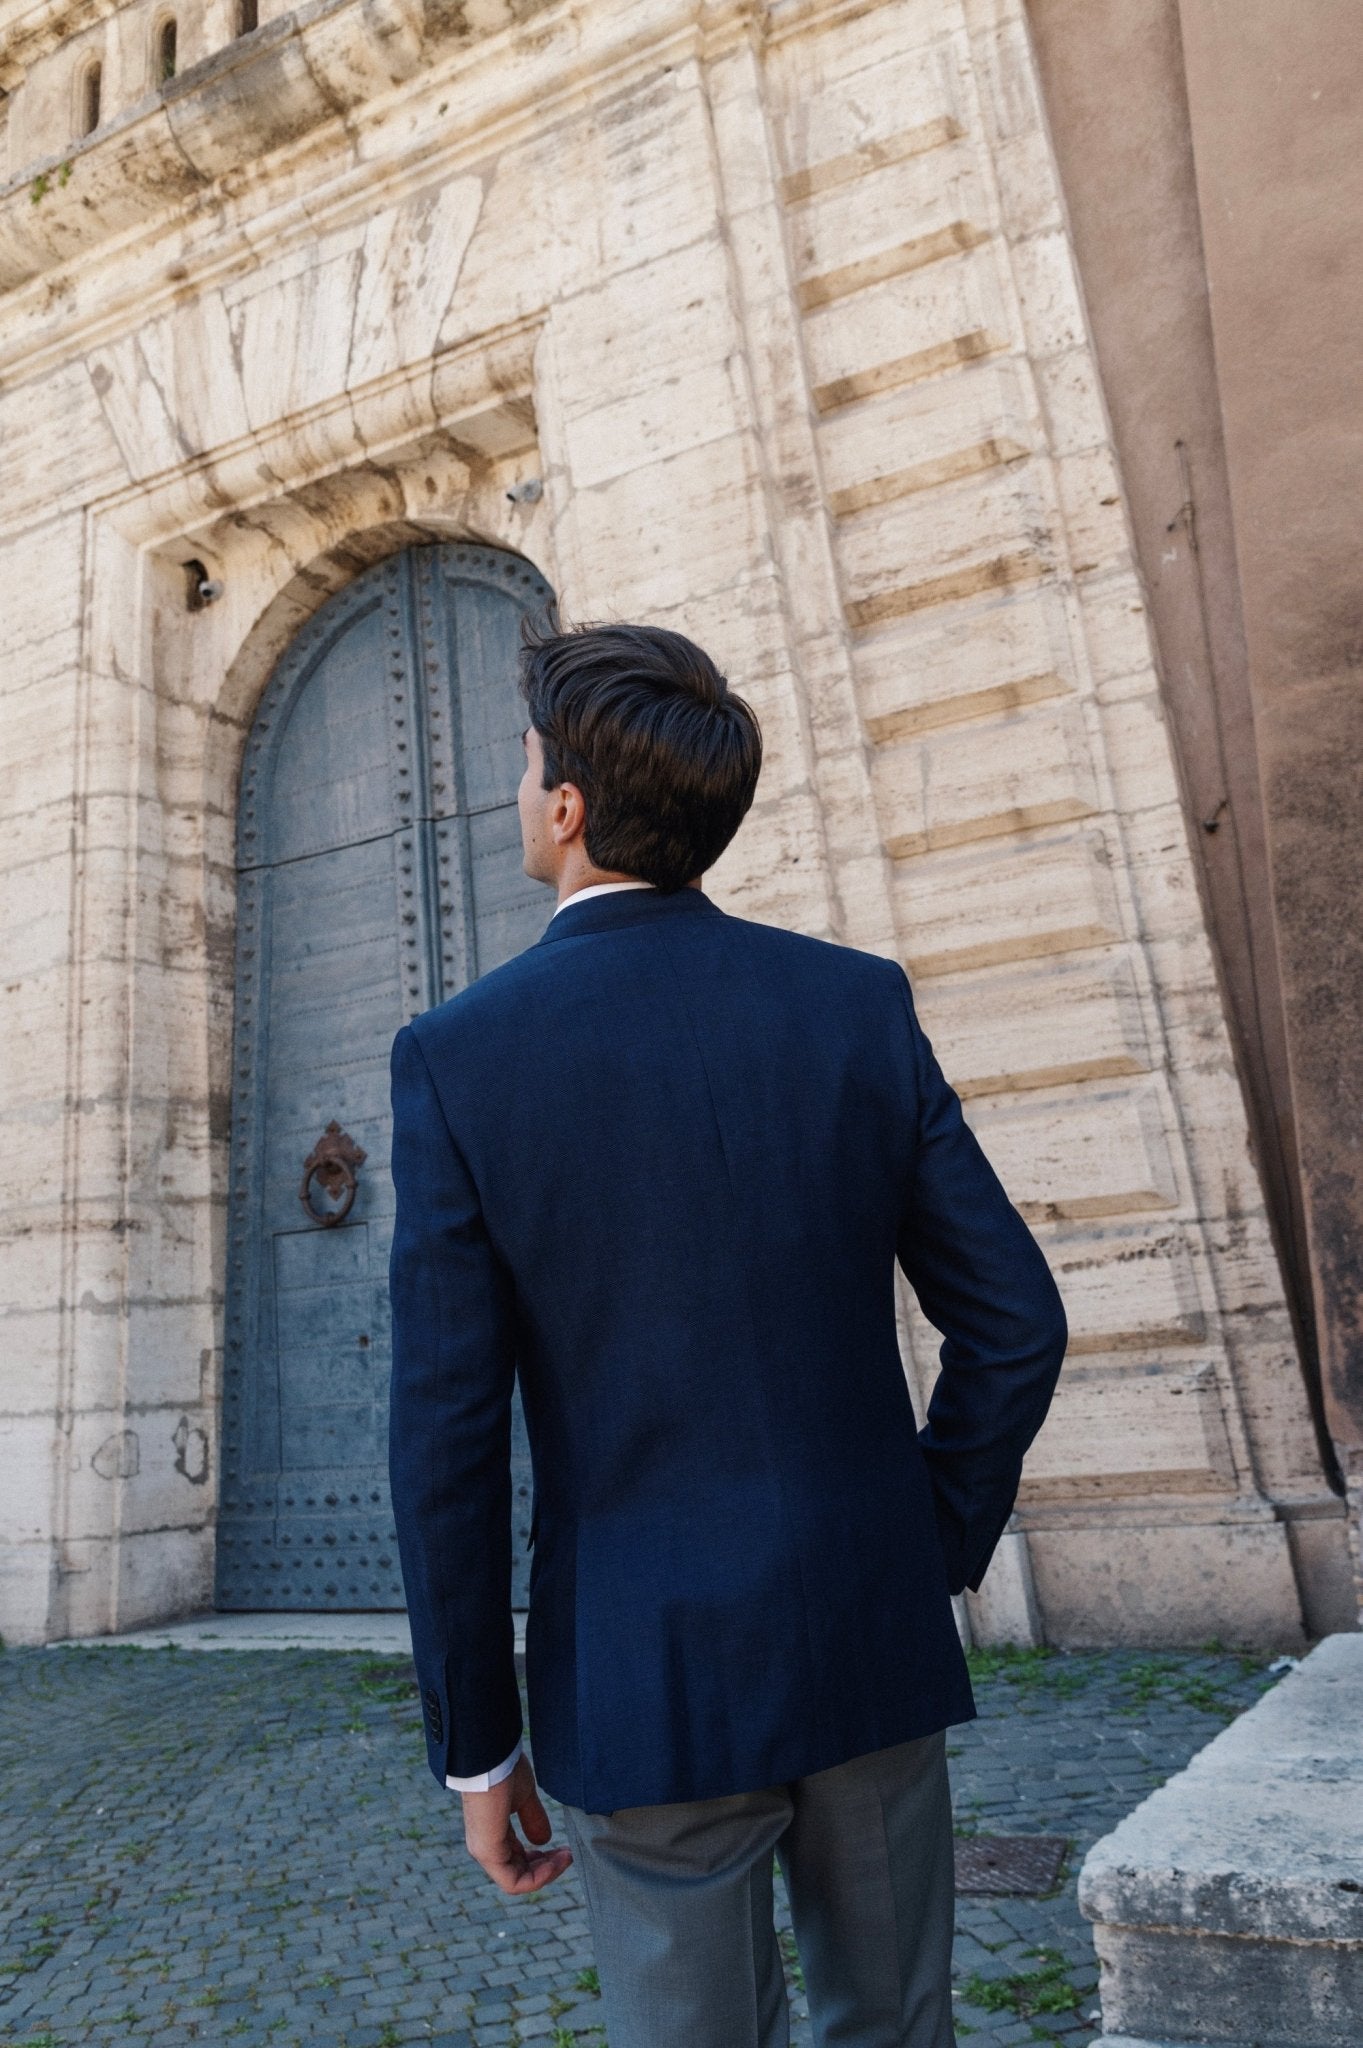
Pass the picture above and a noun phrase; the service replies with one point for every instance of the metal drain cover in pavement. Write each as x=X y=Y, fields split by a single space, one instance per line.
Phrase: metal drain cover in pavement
x=1009 y=1864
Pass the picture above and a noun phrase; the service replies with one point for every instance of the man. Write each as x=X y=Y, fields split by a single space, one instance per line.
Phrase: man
x=660 y=1168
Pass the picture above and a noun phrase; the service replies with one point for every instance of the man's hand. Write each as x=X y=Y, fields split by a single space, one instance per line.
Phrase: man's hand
x=493 y=1842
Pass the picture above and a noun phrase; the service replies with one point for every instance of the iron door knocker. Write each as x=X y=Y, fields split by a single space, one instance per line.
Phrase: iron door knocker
x=335 y=1161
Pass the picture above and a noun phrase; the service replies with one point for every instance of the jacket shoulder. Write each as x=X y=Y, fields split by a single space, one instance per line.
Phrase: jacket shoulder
x=828 y=959
x=500 y=990
x=513 y=988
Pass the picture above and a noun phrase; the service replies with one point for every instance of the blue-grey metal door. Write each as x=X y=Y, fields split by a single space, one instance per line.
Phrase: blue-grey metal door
x=379 y=872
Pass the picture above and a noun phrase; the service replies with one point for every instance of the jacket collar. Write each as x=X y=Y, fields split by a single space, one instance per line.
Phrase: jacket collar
x=628 y=906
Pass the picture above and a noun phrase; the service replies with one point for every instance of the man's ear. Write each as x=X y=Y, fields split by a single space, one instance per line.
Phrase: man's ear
x=570 y=814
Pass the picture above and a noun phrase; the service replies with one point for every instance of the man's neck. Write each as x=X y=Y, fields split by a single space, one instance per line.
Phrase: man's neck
x=577 y=876
x=597 y=889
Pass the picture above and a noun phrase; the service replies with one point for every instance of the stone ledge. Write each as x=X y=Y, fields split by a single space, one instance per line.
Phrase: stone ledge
x=1255 y=1837
x=260 y=93
x=1229 y=1906
x=1131 y=2041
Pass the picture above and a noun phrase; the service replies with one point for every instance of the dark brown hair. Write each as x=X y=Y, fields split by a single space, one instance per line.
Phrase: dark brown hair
x=643 y=723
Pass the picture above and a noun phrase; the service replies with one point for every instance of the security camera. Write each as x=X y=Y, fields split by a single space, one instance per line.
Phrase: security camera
x=528 y=492
x=203 y=588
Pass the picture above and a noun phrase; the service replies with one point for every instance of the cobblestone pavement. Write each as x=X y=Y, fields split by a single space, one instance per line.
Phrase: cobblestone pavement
x=247 y=1847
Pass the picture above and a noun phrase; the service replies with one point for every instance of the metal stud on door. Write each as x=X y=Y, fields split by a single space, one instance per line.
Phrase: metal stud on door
x=379 y=872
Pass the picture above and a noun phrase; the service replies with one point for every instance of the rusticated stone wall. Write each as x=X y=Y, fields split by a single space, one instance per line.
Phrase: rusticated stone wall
x=780 y=303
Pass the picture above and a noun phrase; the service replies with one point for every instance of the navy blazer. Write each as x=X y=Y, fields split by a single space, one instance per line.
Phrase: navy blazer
x=660 y=1167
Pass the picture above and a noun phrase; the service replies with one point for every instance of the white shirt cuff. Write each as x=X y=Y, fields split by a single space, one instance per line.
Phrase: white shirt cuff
x=485 y=1780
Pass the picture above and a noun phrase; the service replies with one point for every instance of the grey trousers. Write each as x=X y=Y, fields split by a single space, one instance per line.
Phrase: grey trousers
x=680 y=1904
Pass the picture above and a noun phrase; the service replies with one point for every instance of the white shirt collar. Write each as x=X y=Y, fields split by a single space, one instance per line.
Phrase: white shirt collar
x=597 y=889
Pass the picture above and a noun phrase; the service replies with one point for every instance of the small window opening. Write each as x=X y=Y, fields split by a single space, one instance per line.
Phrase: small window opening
x=92 y=87
x=248 y=16
x=166 y=41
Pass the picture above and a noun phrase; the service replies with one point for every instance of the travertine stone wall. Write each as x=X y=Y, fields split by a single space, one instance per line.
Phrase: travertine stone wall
x=778 y=300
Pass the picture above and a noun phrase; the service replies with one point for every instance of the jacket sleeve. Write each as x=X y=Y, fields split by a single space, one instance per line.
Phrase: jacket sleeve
x=982 y=1280
x=449 y=1434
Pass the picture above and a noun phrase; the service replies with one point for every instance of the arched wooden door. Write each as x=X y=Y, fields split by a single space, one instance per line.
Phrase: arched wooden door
x=379 y=872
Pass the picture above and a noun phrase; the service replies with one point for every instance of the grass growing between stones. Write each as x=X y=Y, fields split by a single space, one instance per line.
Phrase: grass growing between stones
x=1026 y=1993
x=1038 y=1669
x=388 y=1680
x=1143 y=1682
x=1149 y=1680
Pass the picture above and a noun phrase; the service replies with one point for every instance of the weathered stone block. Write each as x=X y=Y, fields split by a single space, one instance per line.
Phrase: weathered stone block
x=822 y=81
x=970 y=522
x=1071 y=401
x=1229 y=1906
x=928 y=309
x=997 y=900
x=895 y=215
x=1129 y=1427
x=1131 y=1287
x=953 y=663
x=1036 y=1028
x=1162 y=1571
x=1095 y=1151
x=951 y=426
